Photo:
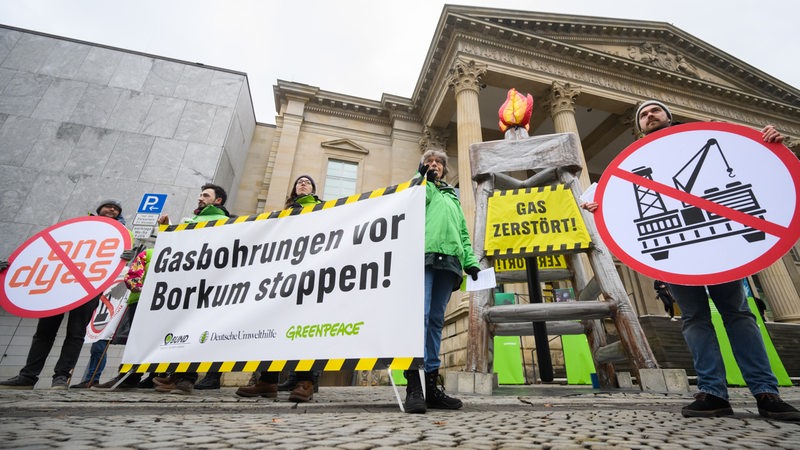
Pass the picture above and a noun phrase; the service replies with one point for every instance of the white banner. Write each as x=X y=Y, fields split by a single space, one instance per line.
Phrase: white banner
x=338 y=283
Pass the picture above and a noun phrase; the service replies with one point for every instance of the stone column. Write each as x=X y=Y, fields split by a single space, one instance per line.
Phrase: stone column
x=562 y=109
x=780 y=293
x=465 y=78
x=292 y=119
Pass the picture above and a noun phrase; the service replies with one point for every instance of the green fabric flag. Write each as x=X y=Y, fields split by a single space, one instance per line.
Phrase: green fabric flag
x=508 y=360
x=577 y=359
x=733 y=374
x=507 y=350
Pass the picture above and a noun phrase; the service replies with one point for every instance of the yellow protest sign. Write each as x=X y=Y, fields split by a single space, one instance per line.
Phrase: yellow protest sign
x=534 y=221
x=544 y=262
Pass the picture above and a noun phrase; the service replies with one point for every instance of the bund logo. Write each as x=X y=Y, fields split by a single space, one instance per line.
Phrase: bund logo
x=172 y=339
x=204 y=337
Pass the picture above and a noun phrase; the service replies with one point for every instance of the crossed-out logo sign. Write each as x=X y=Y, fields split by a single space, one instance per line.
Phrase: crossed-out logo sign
x=175 y=339
x=102 y=315
x=700 y=203
x=63 y=266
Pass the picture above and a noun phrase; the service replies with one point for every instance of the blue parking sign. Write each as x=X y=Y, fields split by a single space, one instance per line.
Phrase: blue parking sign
x=152 y=203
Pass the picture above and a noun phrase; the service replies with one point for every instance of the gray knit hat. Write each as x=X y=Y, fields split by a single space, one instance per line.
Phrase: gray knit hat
x=645 y=104
x=110 y=202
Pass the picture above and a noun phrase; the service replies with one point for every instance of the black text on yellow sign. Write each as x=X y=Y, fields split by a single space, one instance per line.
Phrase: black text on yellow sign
x=544 y=262
x=534 y=221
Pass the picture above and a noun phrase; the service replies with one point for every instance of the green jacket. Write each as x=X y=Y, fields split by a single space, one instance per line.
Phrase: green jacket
x=210 y=213
x=305 y=200
x=445 y=227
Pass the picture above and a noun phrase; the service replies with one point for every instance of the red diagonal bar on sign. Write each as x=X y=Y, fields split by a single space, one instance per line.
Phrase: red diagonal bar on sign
x=73 y=269
x=720 y=210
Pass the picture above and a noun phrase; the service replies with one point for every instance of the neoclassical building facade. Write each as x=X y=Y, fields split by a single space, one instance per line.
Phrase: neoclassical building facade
x=587 y=75
x=80 y=122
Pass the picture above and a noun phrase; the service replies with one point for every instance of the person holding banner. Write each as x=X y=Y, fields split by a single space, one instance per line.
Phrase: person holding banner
x=97 y=363
x=134 y=281
x=210 y=207
x=303 y=194
x=740 y=323
x=47 y=329
x=448 y=251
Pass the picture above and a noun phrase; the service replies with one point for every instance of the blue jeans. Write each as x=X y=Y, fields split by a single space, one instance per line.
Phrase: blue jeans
x=743 y=333
x=97 y=361
x=438 y=287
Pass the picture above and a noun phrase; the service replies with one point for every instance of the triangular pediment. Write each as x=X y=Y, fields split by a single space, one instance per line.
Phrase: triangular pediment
x=641 y=49
x=660 y=56
x=345 y=145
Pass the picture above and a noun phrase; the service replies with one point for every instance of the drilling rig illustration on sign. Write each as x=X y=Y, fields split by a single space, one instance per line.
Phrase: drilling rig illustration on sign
x=661 y=230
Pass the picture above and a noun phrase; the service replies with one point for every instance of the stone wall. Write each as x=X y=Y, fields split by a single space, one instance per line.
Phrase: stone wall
x=80 y=122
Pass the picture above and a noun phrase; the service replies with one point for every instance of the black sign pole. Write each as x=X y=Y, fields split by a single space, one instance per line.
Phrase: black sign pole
x=539 y=328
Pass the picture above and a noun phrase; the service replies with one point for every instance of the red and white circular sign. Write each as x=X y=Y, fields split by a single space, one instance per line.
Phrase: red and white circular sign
x=700 y=203
x=108 y=313
x=64 y=266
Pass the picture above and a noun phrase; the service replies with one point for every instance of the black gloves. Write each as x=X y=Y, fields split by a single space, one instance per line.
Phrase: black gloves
x=423 y=170
x=3 y=265
x=127 y=255
x=473 y=272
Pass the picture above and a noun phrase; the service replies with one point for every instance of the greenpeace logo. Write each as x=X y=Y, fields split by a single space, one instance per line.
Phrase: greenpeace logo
x=323 y=330
x=176 y=339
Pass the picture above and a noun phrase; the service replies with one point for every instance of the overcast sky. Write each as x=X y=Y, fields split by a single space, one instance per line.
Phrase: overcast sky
x=369 y=47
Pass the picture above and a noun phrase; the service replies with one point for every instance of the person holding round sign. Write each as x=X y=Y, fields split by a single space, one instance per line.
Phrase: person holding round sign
x=731 y=302
x=448 y=251
x=47 y=329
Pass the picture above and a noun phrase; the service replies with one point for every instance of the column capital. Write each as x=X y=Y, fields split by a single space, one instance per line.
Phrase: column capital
x=433 y=138
x=627 y=120
x=562 y=97
x=466 y=75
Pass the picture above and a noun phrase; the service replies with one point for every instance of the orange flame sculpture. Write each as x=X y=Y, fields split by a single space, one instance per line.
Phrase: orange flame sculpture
x=516 y=111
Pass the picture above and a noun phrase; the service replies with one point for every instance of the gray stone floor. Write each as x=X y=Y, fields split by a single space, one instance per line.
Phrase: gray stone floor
x=530 y=417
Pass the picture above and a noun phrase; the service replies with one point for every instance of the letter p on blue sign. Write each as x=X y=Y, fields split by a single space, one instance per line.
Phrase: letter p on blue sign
x=152 y=203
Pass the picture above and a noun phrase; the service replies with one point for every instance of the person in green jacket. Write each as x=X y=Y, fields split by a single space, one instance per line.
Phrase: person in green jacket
x=448 y=251
x=303 y=193
x=210 y=207
x=301 y=384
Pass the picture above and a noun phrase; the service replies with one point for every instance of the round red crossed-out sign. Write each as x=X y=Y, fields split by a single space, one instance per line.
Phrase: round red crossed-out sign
x=700 y=203
x=63 y=266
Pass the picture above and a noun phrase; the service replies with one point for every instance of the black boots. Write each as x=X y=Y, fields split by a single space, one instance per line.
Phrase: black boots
x=435 y=398
x=210 y=381
x=291 y=382
x=415 y=401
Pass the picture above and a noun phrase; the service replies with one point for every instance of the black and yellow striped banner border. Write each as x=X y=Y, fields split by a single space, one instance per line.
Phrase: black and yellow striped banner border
x=537 y=249
x=303 y=365
x=297 y=211
x=530 y=190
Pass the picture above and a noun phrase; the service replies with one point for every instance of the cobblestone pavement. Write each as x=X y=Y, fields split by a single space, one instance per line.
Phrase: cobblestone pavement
x=530 y=417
